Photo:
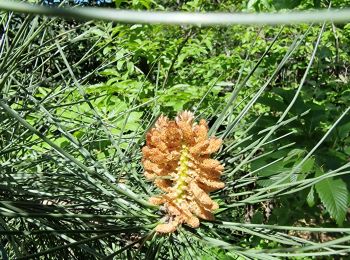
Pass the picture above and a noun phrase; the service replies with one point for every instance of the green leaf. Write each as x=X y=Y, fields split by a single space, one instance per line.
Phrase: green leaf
x=347 y=150
x=343 y=130
x=334 y=196
x=308 y=165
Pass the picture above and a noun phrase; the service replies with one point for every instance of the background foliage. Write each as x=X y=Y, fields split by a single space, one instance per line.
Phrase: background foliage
x=77 y=99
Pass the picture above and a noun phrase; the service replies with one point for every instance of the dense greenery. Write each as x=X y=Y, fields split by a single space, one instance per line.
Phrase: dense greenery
x=78 y=2
x=76 y=100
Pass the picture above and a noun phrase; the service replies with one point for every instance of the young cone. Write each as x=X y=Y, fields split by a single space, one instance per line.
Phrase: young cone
x=176 y=158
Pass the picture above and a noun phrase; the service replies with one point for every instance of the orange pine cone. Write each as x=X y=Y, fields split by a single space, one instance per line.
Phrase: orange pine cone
x=176 y=158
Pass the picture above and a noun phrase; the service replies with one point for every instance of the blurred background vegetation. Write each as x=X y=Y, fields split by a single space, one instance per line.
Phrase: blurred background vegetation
x=76 y=99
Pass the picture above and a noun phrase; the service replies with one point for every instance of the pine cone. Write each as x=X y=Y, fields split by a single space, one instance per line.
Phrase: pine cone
x=176 y=158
